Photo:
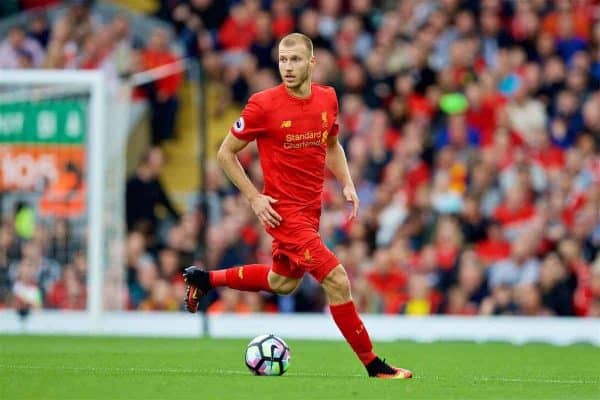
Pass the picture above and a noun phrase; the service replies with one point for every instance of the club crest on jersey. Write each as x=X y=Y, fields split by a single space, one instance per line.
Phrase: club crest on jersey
x=239 y=125
x=324 y=118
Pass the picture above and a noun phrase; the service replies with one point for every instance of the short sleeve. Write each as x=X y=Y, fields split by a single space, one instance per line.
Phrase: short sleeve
x=250 y=124
x=335 y=127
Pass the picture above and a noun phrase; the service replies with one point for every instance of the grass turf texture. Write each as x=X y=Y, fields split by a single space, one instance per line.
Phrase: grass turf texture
x=41 y=367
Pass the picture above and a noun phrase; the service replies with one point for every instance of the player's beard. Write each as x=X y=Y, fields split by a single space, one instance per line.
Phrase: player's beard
x=301 y=78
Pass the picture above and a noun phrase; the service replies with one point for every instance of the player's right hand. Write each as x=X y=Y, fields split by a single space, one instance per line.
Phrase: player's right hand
x=261 y=205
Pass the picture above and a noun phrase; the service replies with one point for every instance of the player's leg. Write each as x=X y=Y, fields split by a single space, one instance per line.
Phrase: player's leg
x=252 y=278
x=337 y=288
x=283 y=285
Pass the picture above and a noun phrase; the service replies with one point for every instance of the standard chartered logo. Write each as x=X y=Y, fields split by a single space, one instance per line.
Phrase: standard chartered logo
x=304 y=140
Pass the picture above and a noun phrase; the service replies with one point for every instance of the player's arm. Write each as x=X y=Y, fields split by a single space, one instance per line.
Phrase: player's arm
x=228 y=160
x=338 y=165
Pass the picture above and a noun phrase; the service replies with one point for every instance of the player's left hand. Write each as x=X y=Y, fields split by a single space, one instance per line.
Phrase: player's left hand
x=351 y=197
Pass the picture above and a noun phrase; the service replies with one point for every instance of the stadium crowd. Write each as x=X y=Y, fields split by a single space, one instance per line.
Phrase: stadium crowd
x=472 y=130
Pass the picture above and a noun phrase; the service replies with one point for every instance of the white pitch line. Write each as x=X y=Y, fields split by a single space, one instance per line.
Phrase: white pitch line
x=161 y=370
x=517 y=380
x=322 y=375
x=538 y=380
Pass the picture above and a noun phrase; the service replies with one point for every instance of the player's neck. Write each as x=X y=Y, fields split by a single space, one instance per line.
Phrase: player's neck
x=301 y=92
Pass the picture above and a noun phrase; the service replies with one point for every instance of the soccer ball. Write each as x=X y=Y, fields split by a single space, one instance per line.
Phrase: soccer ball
x=267 y=355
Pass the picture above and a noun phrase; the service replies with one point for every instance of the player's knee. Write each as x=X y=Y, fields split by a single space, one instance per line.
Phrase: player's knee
x=287 y=287
x=337 y=285
x=282 y=285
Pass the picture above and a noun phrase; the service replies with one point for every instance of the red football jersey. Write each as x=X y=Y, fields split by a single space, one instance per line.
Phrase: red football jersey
x=291 y=135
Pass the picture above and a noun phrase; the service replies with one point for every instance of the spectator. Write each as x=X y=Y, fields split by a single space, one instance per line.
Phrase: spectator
x=79 y=17
x=136 y=258
x=526 y=114
x=500 y=302
x=593 y=298
x=39 y=29
x=494 y=247
x=160 y=298
x=419 y=297
x=62 y=48
x=447 y=241
x=142 y=288
x=515 y=213
x=308 y=24
x=122 y=55
x=283 y=20
x=529 y=301
x=9 y=242
x=162 y=93
x=521 y=268
x=115 y=293
x=20 y=51
x=239 y=30
x=473 y=223
x=37 y=268
x=385 y=280
x=63 y=244
x=472 y=277
x=27 y=294
x=170 y=269
x=230 y=301
x=144 y=192
x=556 y=295
x=68 y=293
x=212 y=13
x=264 y=46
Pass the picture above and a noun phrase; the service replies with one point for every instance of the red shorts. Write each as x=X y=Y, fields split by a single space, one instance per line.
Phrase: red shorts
x=293 y=260
x=297 y=245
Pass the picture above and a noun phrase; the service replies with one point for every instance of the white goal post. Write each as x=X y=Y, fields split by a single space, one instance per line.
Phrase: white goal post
x=106 y=110
x=95 y=83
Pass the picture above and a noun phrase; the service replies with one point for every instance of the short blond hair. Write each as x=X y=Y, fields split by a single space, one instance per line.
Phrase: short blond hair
x=294 y=38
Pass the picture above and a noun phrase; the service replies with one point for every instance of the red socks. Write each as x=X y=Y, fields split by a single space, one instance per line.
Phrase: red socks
x=251 y=277
x=349 y=323
x=254 y=277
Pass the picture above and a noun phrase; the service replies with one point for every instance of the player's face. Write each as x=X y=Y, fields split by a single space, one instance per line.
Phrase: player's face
x=295 y=65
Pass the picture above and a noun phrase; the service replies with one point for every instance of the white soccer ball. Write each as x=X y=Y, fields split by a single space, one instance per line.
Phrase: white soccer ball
x=267 y=355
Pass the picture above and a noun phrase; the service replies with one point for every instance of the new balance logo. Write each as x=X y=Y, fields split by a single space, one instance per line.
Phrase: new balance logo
x=307 y=255
x=286 y=124
x=241 y=273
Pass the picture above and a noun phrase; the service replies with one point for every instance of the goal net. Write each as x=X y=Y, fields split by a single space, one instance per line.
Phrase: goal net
x=62 y=177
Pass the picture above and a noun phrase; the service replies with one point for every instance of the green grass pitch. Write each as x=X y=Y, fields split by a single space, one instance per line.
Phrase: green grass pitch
x=44 y=367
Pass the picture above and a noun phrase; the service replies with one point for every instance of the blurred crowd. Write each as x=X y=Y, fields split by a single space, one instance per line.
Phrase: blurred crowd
x=472 y=130
x=41 y=265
